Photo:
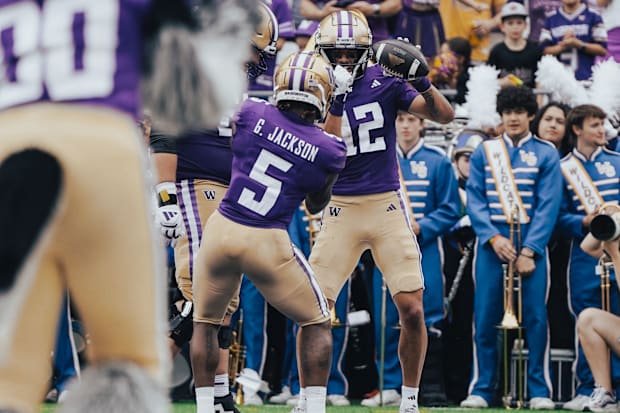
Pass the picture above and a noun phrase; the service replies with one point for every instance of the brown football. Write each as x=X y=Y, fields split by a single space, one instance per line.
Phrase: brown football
x=400 y=58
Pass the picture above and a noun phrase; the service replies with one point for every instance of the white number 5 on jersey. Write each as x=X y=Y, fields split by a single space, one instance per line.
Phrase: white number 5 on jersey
x=273 y=186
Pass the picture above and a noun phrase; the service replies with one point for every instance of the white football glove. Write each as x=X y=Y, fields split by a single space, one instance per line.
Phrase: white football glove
x=343 y=80
x=168 y=216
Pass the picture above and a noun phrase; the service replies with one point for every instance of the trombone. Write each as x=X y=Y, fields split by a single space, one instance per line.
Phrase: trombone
x=603 y=271
x=605 y=228
x=236 y=359
x=512 y=318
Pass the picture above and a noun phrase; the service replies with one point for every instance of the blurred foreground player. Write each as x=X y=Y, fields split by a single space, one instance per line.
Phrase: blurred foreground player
x=68 y=103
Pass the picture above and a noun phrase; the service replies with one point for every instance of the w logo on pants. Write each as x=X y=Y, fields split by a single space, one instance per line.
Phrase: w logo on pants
x=334 y=211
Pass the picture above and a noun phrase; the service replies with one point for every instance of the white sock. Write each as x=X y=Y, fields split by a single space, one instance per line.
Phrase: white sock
x=205 y=400
x=301 y=402
x=409 y=397
x=221 y=385
x=315 y=399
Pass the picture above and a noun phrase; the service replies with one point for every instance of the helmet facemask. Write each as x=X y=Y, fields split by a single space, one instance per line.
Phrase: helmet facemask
x=345 y=31
x=360 y=59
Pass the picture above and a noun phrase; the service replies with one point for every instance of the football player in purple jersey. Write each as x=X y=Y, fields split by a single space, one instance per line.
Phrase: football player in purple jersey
x=279 y=158
x=74 y=203
x=367 y=210
x=194 y=173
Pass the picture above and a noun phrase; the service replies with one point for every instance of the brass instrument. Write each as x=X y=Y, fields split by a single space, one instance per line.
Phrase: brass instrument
x=605 y=226
x=512 y=318
x=603 y=270
x=236 y=358
x=336 y=323
x=314 y=225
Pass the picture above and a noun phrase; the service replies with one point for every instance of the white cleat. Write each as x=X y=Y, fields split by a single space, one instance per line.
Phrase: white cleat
x=577 y=404
x=541 y=403
x=338 y=400
x=390 y=398
x=474 y=401
x=282 y=397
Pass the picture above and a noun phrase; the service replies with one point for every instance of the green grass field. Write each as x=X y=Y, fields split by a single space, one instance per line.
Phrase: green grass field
x=190 y=408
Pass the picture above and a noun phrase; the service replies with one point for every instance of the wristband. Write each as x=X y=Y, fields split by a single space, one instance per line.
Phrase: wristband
x=494 y=238
x=376 y=10
x=337 y=106
x=422 y=84
x=166 y=193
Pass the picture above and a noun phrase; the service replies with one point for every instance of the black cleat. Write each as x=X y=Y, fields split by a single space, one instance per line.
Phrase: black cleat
x=225 y=404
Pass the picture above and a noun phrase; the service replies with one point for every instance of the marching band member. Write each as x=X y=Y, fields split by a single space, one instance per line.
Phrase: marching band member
x=520 y=170
x=591 y=177
x=458 y=249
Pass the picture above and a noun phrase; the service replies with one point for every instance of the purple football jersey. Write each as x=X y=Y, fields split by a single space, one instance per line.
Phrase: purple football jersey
x=587 y=25
x=71 y=51
x=205 y=154
x=278 y=158
x=369 y=131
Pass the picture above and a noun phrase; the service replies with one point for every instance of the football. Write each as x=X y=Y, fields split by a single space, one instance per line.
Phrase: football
x=400 y=59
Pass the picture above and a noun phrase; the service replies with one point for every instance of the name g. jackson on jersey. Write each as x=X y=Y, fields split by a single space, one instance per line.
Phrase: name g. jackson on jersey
x=288 y=141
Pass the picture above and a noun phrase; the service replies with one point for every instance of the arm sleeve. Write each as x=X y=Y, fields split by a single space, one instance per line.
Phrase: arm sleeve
x=162 y=143
x=446 y=214
x=548 y=199
x=477 y=205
